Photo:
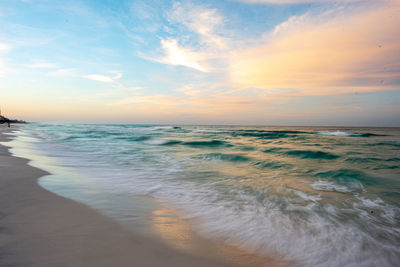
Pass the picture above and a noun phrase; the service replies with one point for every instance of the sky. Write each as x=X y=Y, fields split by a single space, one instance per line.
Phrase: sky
x=245 y=62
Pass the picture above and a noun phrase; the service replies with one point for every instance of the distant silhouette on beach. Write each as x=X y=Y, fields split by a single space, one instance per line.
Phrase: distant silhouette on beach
x=5 y=120
x=8 y=121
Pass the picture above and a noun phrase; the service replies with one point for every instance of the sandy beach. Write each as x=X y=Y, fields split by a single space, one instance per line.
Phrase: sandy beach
x=39 y=228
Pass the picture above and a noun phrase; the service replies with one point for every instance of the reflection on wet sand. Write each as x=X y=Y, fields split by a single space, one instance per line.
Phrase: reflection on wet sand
x=178 y=233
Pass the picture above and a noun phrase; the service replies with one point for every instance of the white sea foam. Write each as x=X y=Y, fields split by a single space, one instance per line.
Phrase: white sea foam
x=312 y=239
x=329 y=186
x=156 y=141
x=336 y=133
x=307 y=197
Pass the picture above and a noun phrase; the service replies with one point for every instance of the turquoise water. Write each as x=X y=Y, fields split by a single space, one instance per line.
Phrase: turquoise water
x=319 y=196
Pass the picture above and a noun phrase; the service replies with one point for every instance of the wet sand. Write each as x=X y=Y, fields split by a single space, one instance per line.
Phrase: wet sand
x=39 y=228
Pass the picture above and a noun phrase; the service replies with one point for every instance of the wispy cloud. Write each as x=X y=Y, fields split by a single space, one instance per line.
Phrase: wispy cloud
x=350 y=51
x=198 y=37
x=63 y=72
x=42 y=65
x=4 y=47
x=206 y=22
x=200 y=99
x=297 y=1
x=19 y=35
x=130 y=88
x=339 y=51
x=3 y=68
x=177 y=55
x=157 y=100
x=103 y=78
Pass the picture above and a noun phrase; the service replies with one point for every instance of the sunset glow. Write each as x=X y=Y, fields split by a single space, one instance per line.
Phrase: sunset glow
x=269 y=62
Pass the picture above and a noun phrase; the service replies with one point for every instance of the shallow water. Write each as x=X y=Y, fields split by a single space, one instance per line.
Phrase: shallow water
x=318 y=196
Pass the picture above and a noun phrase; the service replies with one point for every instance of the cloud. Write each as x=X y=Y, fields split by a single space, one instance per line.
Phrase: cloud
x=20 y=35
x=103 y=78
x=343 y=51
x=3 y=69
x=128 y=88
x=117 y=75
x=4 y=47
x=198 y=37
x=63 y=72
x=156 y=100
x=339 y=51
x=198 y=100
x=148 y=18
x=43 y=65
x=131 y=88
x=177 y=55
x=297 y=1
x=200 y=20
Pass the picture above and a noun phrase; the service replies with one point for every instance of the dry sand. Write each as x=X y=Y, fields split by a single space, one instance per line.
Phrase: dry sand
x=39 y=228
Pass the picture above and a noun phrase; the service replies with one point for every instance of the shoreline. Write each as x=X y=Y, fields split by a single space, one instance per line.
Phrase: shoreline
x=39 y=228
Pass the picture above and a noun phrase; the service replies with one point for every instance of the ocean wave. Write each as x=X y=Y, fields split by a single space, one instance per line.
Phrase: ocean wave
x=274 y=150
x=224 y=157
x=363 y=160
x=393 y=159
x=349 y=176
x=336 y=133
x=306 y=196
x=77 y=137
x=171 y=142
x=156 y=141
x=378 y=207
x=100 y=133
x=311 y=234
x=340 y=133
x=166 y=128
x=273 y=165
x=330 y=186
x=393 y=143
x=134 y=138
x=209 y=143
x=210 y=131
x=311 y=154
x=266 y=134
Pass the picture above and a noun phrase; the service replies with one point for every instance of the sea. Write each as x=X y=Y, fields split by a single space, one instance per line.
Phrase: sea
x=318 y=196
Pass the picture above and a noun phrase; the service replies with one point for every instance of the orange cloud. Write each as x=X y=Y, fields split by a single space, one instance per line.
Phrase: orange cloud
x=103 y=78
x=297 y=1
x=320 y=54
x=200 y=101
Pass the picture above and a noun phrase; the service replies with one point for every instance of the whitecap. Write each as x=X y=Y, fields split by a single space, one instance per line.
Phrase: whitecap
x=329 y=186
x=156 y=142
x=336 y=133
